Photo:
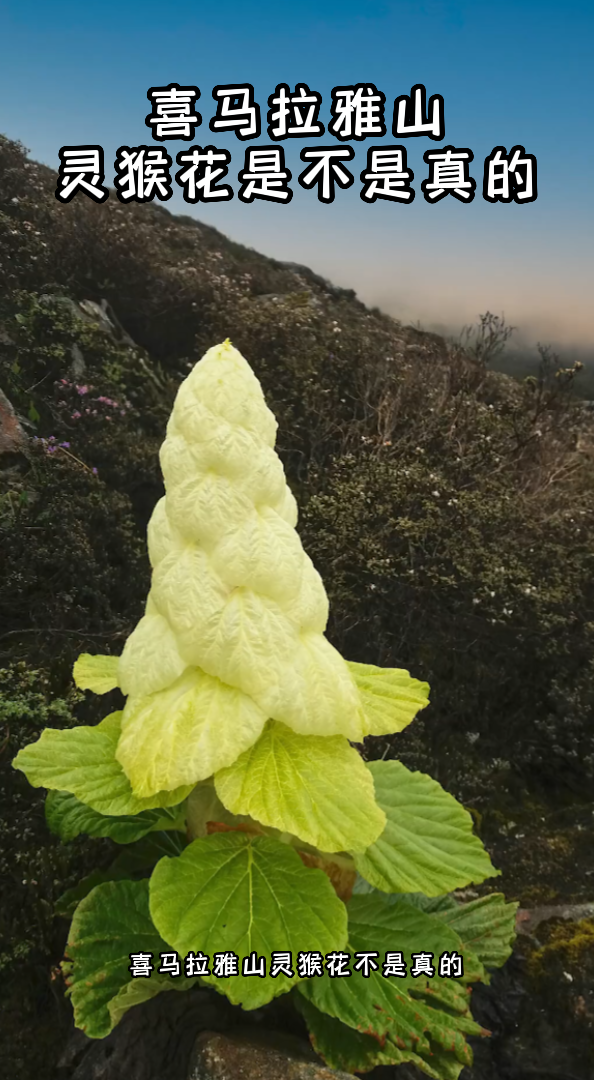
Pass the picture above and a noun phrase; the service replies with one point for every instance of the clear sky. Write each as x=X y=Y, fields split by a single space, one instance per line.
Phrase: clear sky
x=510 y=73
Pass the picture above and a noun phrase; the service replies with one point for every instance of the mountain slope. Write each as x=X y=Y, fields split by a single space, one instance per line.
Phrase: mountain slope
x=449 y=509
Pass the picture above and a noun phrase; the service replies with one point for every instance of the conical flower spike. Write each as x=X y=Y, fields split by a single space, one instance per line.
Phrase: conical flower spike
x=233 y=632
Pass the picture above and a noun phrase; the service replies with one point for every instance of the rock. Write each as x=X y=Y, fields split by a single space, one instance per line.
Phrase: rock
x=527 y=919
x=12 y=437
x=195 y=1036
x=153 y=1041
x=104 y=314
x=13 y=447
x=91 y=312
x=78 y=367
x=64 y=302
x=540 y=1005
x=263 y=1055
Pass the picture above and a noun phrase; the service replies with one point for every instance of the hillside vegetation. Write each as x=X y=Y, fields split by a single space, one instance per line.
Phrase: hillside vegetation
x=449 y=509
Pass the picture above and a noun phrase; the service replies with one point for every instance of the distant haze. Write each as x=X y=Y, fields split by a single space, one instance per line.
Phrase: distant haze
x=443 y=277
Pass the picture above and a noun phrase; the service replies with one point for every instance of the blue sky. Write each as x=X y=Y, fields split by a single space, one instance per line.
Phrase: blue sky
x=510 y=73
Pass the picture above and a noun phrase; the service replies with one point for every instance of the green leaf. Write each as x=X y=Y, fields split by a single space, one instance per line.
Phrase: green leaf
x=338 y=1045
x=138 y=990
x=32 y=413
x=434 y=905
x=316 y=787
x=428 y=845
x=68 y=901
x=96 y=673
x=138 y=858
x=233 y=892
x=488 y=925
x=204 y=806
x=82 y=761
x=146 y=852
x=183 y=734
x=342 y=1047
x=112 y=922
x=68 y=817
x=390 y=697
x=421 y=1020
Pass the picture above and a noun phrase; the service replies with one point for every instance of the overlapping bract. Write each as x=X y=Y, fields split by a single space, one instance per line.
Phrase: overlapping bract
x=234 y=597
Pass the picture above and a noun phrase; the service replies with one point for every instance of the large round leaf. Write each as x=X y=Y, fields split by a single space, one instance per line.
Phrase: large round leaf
x=96 y=673
x=419 y=1019
x=487 y=924
x=427 y=845
x=390 y=697
x=82 y=761
x=112 y=922
x=68 y=817
x=315 y=787
x=183 y=734
x=236 y=893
